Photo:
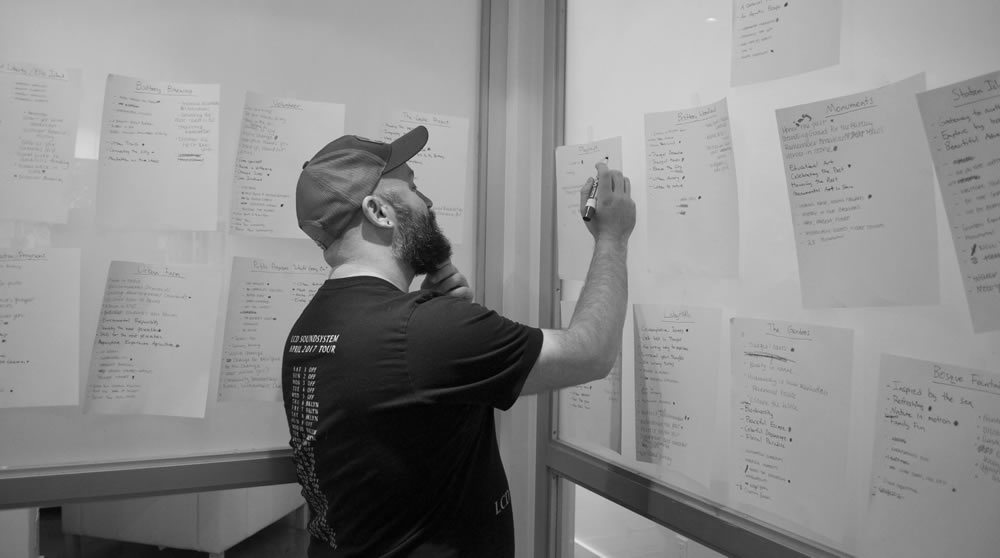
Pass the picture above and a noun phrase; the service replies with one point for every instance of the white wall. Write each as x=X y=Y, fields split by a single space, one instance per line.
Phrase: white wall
x=19 y=533
x=604 y=529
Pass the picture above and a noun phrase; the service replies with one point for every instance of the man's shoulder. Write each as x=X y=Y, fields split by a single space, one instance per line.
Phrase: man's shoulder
x=449 y=315
x=431 y=303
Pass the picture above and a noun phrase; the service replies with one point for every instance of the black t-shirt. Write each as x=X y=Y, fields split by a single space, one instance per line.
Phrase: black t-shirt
x=389 y=398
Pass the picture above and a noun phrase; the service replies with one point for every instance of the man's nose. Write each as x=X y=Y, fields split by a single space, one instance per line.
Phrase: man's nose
x=427 y=200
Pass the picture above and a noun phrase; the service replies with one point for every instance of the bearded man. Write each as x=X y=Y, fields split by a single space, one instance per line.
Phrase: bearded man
x=390 y=394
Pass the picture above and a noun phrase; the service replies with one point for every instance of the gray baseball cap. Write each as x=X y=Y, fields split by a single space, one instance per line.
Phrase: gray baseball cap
x=336 y=180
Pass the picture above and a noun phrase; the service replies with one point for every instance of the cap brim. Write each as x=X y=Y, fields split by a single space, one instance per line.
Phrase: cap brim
x=405 y=147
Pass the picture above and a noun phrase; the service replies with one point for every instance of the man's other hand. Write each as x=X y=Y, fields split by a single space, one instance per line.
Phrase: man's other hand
x=448 y=280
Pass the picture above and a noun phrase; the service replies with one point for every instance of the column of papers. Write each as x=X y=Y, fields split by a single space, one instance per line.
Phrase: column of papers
x=277 y=136
x=935 y=484
x=676 y=367
x=791 y=403
x=153 y=348
x=962 y=123
x=862 y=199
x=691 y=207
x=440 y=167
x=39 y=110
x=39 y=327
x=159 y=157
x=265 y=299
x=574 y=165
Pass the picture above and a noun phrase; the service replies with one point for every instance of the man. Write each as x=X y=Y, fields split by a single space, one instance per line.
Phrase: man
x=390 y=394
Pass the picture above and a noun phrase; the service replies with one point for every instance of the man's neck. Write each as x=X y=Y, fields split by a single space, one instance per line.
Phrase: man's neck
x=398 y=278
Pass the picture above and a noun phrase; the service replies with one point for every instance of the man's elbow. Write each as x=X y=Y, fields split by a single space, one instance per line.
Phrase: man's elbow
x=600 y=367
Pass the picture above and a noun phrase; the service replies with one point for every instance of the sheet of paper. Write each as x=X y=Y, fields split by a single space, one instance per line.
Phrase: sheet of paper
x=962 y=123
x=276 y=137
x=440 y=168
x=265 y=299
x=153 y=347
x=591 y=414
x=691 y=207
x=574 y=165
x=159 y=156
x=778 y=38
x=39 y=327
x=676 y=372
x=861 y=191
x=791 y=403
x=935 y=485
x=39 y=111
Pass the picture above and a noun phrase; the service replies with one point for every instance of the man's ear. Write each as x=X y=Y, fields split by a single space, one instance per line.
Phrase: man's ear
x=378 y=212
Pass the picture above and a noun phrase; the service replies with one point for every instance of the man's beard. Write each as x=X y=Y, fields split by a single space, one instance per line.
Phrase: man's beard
x=420 y=242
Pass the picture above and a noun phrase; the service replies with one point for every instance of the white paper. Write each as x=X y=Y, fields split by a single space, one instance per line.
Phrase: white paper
x=779 y=38
x=574 y=165
x=962 y=123
x=39 y=327
x=277 y=136
x=39 y=110
x=861 y=191
x=935 y=485
x=265 y=299
x=159 y=157
x=691 y=207
x=676 y=371
x=591 y=414
x=791 y=405
x=153 y=347
x=440 y=168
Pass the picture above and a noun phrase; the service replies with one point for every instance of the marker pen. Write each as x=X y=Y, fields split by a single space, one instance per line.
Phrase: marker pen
x=591 y=207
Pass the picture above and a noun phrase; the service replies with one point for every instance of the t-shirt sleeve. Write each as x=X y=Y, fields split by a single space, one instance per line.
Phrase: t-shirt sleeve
x=460 y=352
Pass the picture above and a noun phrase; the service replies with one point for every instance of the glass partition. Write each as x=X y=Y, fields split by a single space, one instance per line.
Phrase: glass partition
x=784 y=356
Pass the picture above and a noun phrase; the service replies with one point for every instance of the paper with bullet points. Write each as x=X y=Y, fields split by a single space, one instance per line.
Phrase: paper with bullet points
x=39 y=327
x=791 y=392
x=962 y=123
x=691 y=205
x=676 y=372
x=39 y=109
x=265 y=299
x=860 y=186
x=159 y=157
x=153 y=348
x=778 y=38
x=277 y=136
x=574 y=165
x=935 y=480
x=591 y=414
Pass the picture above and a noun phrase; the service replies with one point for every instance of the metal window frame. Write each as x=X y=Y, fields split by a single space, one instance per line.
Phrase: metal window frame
x=57 y=485
x=560 y=465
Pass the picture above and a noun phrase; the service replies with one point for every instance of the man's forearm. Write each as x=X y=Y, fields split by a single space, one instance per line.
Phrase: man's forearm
x=596 y=326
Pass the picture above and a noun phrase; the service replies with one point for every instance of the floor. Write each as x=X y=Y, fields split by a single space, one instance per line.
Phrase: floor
x=281 y=539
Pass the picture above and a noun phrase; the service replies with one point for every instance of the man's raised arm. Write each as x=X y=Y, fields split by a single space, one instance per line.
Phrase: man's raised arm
x=587 y=349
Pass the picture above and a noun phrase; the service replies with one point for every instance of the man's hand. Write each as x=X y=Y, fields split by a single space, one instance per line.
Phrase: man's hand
x=615 y=215
x=447 y=280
